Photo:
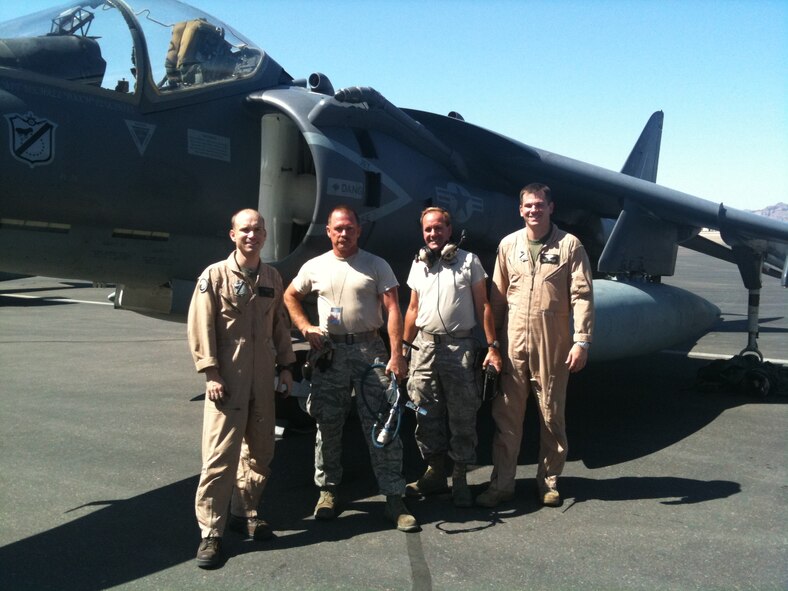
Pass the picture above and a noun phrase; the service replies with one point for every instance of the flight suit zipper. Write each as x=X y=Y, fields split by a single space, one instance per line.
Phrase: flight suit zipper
x=534 y=271
x=528 y=327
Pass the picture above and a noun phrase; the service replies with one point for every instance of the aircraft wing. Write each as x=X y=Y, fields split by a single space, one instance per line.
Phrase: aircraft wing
x=650 y=220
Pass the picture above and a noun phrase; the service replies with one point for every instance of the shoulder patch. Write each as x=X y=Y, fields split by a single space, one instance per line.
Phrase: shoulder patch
x=203 y=285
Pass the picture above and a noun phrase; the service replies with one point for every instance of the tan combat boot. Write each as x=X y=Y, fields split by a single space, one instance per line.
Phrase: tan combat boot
x=460 y=493
x=398 y=513
x=548 y=494
x=493 y=497
x=326 y=507
x=209 y=553
x=433 y=481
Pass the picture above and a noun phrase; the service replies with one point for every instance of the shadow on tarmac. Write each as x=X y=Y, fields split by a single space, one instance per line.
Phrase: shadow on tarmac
x=616 y=411
x=130 y=539
x=624 y=410
x=61 y=286
x=741 y=326
x=8 y=302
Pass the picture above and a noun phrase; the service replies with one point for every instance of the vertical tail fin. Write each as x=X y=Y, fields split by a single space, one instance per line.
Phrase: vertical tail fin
x=644 y=158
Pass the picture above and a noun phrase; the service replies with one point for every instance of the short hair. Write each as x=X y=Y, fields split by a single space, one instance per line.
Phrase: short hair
x=446 y=214
x=347 y=209
x=535 y=189
x=247 y=210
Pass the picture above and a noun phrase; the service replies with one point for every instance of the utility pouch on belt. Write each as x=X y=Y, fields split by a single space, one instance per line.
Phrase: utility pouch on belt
x=320 y=358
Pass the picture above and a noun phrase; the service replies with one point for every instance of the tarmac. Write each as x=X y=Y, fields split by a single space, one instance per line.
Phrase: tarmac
x=668 y=486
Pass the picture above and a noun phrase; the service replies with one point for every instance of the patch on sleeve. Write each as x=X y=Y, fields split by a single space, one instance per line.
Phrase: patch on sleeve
x=203 y=285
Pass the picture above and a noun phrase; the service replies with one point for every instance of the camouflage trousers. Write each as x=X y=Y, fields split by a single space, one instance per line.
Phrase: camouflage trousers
x=443 y=380
x=329 y=404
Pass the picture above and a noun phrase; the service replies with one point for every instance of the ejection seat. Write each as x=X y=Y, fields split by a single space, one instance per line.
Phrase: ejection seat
x=198 y=54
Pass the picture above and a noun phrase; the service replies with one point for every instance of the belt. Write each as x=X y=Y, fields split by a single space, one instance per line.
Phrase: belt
x=439 y=338
x=352 y=338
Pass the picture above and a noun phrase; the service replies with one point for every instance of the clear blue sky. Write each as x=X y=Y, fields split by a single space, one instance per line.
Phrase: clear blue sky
x=579 y=78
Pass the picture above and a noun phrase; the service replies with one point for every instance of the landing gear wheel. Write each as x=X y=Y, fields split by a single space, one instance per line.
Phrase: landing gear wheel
x=748 y=352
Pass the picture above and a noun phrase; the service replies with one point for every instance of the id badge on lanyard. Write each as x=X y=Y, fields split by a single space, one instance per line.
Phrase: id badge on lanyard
x=335 y=316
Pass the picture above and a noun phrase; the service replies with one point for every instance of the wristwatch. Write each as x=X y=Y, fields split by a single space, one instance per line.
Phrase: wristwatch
x=583 y=344
x=494 y=345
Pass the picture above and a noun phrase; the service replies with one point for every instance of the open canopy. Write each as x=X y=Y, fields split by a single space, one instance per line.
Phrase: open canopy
x=124 y=46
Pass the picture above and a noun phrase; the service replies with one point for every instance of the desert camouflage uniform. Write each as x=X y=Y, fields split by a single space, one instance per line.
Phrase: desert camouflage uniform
x=443 y=380
x=329 y=404
x=362 y=278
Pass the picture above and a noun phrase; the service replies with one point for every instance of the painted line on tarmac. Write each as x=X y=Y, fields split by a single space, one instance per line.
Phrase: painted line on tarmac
x=419 y=569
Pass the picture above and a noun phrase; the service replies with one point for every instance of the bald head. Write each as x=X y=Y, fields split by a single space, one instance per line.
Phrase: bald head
x=246 y=213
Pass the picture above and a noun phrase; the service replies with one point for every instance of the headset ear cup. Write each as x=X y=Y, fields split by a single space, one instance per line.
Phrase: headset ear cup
x=449 y=252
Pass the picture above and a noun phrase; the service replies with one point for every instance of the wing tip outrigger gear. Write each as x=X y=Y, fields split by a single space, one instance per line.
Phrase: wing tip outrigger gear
x=744 y=374
x=749 y=255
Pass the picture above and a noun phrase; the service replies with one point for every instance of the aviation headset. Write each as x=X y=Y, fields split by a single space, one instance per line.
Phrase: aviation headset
x=447 y=254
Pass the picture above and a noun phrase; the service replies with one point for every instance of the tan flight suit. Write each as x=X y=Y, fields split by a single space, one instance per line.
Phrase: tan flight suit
x=237 y=324
x=532 y=301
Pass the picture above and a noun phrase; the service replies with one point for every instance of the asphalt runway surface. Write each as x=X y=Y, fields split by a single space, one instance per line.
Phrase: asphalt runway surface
x=667 y=486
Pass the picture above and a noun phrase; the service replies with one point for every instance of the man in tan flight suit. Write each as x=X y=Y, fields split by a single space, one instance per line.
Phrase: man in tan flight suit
x=542 y=277
x=238 y=333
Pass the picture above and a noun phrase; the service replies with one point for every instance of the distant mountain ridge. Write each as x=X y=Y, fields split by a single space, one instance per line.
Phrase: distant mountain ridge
x=778 y=211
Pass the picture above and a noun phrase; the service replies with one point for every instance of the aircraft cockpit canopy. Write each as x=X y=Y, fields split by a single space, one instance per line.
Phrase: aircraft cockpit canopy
x=98 y=43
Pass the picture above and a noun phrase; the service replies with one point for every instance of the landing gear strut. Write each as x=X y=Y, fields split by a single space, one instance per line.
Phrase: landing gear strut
x=746 y=372
x=753 y=304
x=750 y=263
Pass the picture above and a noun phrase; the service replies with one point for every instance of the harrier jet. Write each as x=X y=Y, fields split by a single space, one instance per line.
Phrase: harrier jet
x=133 y=129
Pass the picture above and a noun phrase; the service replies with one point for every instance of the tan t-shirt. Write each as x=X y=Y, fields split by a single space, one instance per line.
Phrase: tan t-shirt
x=348 y=290
x=445 y=293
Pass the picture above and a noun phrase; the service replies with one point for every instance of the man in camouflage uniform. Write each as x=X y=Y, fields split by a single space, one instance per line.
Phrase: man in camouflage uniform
x=238 y=332
x=353 y=287
x=448 y=285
